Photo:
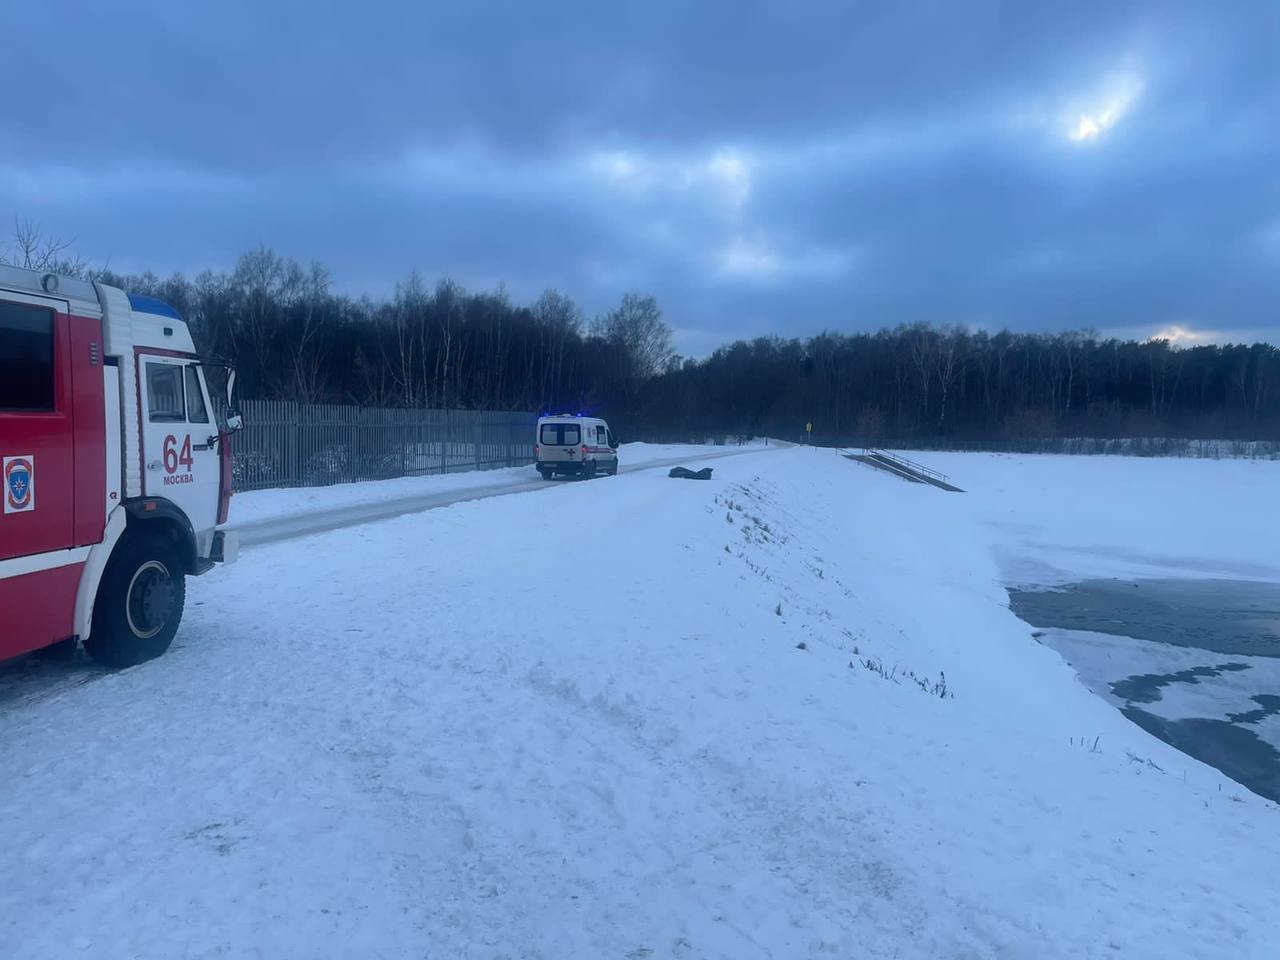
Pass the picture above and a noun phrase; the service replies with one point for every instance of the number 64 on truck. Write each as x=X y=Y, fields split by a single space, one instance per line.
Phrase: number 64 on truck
x=116 y=468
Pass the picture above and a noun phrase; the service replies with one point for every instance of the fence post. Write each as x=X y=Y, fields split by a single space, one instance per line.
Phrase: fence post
x=289 y=417
x=444 y=440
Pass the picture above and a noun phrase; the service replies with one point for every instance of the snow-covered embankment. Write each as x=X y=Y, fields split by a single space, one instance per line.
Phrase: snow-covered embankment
x=631 y=717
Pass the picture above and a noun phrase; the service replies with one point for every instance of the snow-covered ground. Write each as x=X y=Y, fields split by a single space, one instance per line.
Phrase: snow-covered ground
x=257 y=506
x=1055 y=519
x=643 y=717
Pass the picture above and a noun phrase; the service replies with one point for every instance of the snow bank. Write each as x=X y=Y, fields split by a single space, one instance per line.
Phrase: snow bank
x=629 y=718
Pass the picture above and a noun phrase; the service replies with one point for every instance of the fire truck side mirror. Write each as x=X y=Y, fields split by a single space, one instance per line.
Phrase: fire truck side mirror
x=234 y=420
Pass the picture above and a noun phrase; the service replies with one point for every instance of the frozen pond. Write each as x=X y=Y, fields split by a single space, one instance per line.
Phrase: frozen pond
x=1195 y=662
x=1225 y=616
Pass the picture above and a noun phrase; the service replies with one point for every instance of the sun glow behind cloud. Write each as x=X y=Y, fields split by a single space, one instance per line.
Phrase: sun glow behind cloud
x=1180 y=336
x=1093 y=120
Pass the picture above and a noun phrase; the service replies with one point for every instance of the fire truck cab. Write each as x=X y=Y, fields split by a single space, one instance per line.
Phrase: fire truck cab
x=115 y=475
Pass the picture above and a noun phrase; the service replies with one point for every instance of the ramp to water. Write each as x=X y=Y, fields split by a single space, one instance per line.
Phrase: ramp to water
x=904 y=469
x=877 y=465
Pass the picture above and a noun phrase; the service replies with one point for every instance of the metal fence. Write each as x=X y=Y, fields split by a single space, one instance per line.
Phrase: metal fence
x=286 y=444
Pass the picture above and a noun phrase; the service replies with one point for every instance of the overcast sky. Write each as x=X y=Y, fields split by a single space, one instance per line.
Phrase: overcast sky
x=781 y=167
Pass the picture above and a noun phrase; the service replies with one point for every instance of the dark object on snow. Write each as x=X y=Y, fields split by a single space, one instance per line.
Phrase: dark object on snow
x=684 y=473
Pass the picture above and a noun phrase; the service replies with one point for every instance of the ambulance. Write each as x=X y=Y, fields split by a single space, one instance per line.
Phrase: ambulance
x=576 y=446
x=116 y=470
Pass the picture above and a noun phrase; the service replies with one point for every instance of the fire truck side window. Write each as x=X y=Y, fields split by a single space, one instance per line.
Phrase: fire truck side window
x=26 y=357
x=196 y=413
x=164 y=393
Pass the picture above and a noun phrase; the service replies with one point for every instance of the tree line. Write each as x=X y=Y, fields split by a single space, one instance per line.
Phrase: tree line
x=292 y=336
x=921 y=381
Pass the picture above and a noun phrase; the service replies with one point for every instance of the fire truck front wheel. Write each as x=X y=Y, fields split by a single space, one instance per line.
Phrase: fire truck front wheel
x=139 y=604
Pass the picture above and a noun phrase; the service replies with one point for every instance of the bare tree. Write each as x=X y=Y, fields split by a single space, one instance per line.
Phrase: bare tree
x=638 y=328
x=949 y=358
x=447 y=306
x=559 y=318
x=408 y=365
x=923 y=343
x=261 y=281
x=307 y=347
x=34 y=249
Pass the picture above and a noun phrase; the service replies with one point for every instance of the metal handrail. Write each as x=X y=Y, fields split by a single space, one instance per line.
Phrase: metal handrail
x=888 y=467
x=894 y=458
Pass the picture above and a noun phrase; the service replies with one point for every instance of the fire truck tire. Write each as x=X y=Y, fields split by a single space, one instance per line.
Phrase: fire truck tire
x=139 y=603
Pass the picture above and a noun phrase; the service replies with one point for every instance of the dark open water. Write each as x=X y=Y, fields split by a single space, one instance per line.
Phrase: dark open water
x=1225 y=619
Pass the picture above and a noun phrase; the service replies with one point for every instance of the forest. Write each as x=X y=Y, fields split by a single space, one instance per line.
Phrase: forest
x=292 y=336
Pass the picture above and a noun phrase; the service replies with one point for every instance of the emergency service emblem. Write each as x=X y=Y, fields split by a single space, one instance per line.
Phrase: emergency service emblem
x=19 y=484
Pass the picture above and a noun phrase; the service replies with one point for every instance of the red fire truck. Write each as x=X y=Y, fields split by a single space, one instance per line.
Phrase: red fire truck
x=116 y=475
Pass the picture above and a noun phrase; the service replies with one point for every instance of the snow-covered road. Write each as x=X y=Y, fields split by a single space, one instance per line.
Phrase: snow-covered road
x=644 y=718
x=426 y=493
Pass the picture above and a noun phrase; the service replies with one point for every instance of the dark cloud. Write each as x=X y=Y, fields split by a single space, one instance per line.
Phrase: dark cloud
x=781 y=167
